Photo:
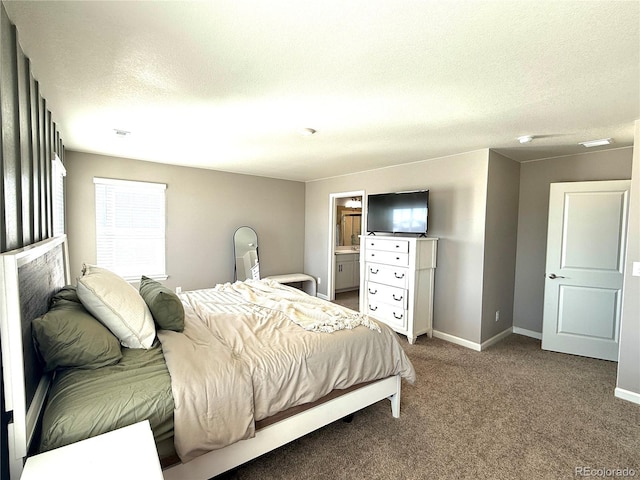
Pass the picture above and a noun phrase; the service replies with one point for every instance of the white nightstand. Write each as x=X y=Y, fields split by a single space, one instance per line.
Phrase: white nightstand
x=126 y=453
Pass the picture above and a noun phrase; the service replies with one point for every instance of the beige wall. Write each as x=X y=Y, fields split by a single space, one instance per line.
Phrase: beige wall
x=629 y=359
x=535 y=178
x=474 y=200
x=204 y=207
x=501 y=227
x=457 y=190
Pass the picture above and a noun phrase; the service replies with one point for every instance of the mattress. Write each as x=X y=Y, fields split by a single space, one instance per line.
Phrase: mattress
x=254 y=349
x=86 y=403
x=235 y=364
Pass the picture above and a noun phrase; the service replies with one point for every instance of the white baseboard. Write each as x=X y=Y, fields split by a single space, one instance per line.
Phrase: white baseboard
x=527 y=333
x=627 y=395
x=457 y=340
x=496 y=338
x=478 y=347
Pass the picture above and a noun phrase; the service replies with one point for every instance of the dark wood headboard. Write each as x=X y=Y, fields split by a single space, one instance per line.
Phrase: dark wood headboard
x=29 y=277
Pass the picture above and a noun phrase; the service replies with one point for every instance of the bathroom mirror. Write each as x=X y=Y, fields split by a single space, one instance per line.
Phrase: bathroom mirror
x=349 y=223
x=245 y=249
x=350 y=228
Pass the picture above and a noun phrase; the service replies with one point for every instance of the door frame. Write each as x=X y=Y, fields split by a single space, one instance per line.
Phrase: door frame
x=333 y=198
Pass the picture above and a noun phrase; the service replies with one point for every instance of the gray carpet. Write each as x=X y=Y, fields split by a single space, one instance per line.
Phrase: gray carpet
x=348 y=299
x=513 y=411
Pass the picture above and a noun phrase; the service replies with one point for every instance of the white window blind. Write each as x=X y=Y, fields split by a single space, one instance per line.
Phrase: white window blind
x=130 y=227
x=59 y=172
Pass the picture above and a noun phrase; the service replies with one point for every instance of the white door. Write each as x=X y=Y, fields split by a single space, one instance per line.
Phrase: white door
x=584 y=269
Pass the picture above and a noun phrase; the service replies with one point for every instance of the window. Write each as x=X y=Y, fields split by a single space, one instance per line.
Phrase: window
x=130 y=228
x=59 y=172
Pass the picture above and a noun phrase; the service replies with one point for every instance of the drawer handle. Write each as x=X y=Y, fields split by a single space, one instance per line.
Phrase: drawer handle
x=397 y=246
x=371 y=270
x=397 y=317
x=373 y=292
x=397 y=258
x=396 y=299
x=396 y=275
x=373 y=309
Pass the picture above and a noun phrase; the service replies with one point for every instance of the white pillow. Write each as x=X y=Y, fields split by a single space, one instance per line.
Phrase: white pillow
x=117 y=305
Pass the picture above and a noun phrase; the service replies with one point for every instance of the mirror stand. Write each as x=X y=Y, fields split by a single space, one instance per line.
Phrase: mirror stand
x=245 y=251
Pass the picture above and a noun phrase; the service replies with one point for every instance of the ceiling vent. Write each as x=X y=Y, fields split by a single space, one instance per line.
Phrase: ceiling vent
x=596 y=143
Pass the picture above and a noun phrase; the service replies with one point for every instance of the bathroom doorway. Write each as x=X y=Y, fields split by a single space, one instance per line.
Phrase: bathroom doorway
x=347 y=213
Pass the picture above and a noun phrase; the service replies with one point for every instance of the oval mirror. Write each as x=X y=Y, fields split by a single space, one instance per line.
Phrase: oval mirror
x=245 y=249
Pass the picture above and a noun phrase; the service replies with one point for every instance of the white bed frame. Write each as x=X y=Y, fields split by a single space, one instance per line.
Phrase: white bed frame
x=275 y=435
x=15 y=326
x=28 y=278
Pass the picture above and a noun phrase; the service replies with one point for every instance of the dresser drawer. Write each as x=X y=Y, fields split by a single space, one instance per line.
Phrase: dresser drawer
x=394 y=276
x=388 y=258
x=395 y=317
x=400 y=246
x=377 y=292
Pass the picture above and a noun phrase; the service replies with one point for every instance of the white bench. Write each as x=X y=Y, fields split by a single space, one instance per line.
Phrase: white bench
x=308 y=282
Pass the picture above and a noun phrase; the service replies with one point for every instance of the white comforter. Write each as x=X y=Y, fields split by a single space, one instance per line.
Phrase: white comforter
x=309 y=312
x=242 y=359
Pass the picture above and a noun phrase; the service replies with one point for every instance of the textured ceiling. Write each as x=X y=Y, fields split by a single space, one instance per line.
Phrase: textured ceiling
x=228 y=84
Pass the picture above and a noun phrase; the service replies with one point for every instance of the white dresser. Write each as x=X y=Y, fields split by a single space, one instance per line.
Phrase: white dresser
x=397 y=282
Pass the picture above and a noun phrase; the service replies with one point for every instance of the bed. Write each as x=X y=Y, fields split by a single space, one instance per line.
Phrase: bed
x=253 y=366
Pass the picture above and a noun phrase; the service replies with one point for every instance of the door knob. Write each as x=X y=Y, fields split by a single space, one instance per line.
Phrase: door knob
x=553 y=276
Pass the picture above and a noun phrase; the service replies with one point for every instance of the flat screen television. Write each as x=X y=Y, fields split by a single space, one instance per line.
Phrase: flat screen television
x=400 y=212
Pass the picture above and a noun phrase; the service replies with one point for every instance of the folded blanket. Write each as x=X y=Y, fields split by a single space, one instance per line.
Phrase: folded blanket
x=311 y=313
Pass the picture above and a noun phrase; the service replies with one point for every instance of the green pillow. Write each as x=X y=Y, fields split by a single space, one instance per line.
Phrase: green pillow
x=166 y=308
x=68 y=336
x=68 y=293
